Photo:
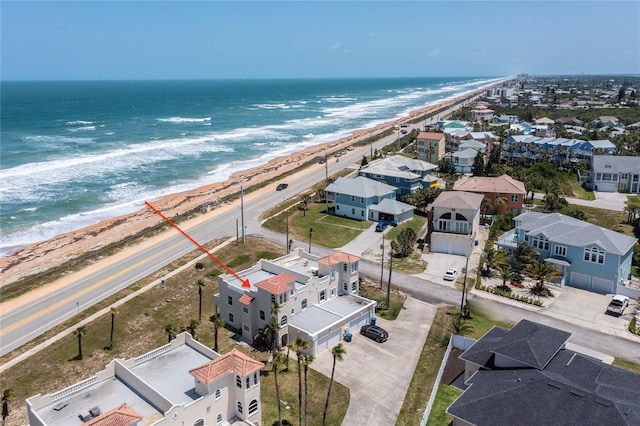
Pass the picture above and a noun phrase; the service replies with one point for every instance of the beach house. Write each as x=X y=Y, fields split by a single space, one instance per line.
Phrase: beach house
x=181 y=383
x=586 y=256
x=430 y=146
x=311 y=297
x=454 y=218
x=505 y=193
x=406 y=174
x=615 y=173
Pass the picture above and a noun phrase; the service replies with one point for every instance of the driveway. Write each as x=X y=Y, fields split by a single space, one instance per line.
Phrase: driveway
x=378 y=374
x=604 y=200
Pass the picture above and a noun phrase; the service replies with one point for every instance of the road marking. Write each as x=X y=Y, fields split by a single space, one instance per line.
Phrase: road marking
x=81 y=292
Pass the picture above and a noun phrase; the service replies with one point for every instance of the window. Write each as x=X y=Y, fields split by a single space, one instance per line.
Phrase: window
x=239 y=409
x=361 y=200
x=333 y=293
x=594 y=255
x=199 y=422
x=361 y=213
x=218 y=394
x=560 y=251
x=245 y=309
x=540 y=242
x=354 y=267
x=337 y=206
x=354 y=286
x=353 y=211
x=303 y=305
x=344 y=267
x=345 y=286
x=230 y=317
x=283 y=320
x=238 y=382
x=230 y=300
x=253 y=406
x=353 y=198
x=323 y=295
x=514 y=198
x=444 y=225
x=273 y=299
x=262 y=315
x=246 y=328
x=462 y=227
x=219 y=419
x=255 y=378
x=248 y=382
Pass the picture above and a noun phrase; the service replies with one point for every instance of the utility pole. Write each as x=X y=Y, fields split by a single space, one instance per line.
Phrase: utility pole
x=310 y=232
x=287 y=241
x=326 y=166
x=382 y=263
x=464 y=290
x=389 y=282
x=244 y=237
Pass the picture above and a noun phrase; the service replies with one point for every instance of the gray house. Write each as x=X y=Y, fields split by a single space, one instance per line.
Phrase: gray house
x=615 y=173
x=528 y=376
x=362 y=198
x=406 y=174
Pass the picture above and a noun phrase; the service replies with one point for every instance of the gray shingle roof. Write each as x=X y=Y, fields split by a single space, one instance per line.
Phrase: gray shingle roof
x=458 y=199
x=566 y=230
x=398 y=166
x=393 y=206
x=616 y=163
x=360 y=187
x=480 y=353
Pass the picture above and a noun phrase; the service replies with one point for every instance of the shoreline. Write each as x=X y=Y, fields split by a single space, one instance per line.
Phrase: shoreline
x=40 y=257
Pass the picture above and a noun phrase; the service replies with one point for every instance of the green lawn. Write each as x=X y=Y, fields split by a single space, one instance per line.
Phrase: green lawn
x=444 y=398
x=570 y=187
x=627 y=365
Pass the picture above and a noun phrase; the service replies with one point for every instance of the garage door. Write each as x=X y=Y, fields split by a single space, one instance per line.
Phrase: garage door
x=354 y=326
x=607 y=187
x=603 y=286
x=440 y=247
x=580 y=281
x=459 y=249
x=329 y=340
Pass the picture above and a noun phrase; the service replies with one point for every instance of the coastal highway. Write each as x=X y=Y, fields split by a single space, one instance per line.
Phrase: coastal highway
x=28 y=321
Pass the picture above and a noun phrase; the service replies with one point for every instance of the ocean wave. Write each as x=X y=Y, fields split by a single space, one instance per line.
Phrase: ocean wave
x=270 y=106
x=83 y=129
x=79 y=123
x=184 y=120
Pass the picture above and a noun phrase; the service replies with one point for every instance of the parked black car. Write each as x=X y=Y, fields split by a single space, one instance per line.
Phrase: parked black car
x=374 y=332
x=282 y=186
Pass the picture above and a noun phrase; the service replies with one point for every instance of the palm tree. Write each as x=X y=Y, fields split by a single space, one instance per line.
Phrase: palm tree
x=80 y=331
x=493 y=258
x=338 y=353
x=7 y=395
x=170 y=329
x=113 y=319
x=306 y=361
x=218 y=323
x=458 y=325
x=200 y=284
x=506 y=272
x=299 y=346
x=305 y=201
x=498 y=204
x=485 y=207
x=191 y=328
x=276 y=361
x=524 y=255
x=542 y=272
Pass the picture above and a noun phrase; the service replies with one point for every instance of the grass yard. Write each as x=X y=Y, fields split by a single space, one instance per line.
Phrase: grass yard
x=140 y=327
x=609 y=219
x=570 y=187
x=627 y=365
x=444 y=398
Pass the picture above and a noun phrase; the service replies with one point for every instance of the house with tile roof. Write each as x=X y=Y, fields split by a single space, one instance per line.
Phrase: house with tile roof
x=430 y=146
x=586 y=256
x=182 y=382
x=361 y=198
x=317 y=299
x=454 y=218
x=615 y=173
x=503 y=187
x=406 y=174
x=531 y=375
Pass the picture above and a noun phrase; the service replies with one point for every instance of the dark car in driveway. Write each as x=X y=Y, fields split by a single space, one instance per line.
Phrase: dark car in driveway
x=374 y=332
x=381 y=226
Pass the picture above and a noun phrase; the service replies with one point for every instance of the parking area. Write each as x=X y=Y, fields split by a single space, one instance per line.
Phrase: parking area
x=378 y=374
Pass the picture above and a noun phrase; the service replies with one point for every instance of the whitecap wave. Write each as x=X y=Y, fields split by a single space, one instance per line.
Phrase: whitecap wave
x=179 y=120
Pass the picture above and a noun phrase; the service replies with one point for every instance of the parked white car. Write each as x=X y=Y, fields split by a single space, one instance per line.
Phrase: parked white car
x=618 y=304
x=450 y=274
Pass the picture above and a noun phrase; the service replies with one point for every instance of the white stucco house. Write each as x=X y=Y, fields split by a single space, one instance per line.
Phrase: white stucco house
x=454 y=218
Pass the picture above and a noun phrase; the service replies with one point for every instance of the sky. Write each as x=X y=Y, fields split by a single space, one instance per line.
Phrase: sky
x=145 y=40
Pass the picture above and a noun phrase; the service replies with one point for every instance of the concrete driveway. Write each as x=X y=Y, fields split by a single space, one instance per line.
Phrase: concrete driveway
x=378 y=374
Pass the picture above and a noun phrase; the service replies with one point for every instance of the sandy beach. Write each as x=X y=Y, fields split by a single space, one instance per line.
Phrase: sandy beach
x=41 y=257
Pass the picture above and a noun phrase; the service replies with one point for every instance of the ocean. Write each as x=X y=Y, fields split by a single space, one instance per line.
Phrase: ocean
x=75 y=153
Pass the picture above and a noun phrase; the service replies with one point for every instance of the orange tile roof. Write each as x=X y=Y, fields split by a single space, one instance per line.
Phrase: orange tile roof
x=430 y=135
x=338 y=257
x=234 y=362
x=504 y=184
x=278 y=284
x=245 y=299
x=119 y=416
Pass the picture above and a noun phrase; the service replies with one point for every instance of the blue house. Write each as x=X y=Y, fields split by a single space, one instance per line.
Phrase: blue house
x=588 y=256
x=406 y=174
x=361 y=198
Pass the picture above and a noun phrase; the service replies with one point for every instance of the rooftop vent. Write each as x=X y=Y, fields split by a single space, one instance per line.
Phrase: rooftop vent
x=554 y=385
x=576 y=393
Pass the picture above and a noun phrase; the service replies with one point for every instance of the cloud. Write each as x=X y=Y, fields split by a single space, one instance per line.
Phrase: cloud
x=434 y=53
x=336 y=46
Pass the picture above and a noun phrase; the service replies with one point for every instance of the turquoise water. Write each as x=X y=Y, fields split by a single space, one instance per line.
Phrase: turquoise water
x=75 y=153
